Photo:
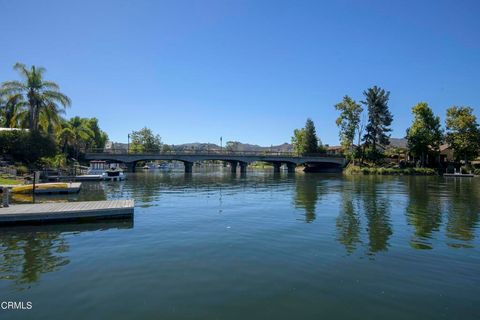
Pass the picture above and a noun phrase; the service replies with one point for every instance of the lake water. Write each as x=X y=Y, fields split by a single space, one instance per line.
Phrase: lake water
x=261 y=246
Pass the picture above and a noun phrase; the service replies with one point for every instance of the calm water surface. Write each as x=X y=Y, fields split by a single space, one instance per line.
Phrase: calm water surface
x=262 y=246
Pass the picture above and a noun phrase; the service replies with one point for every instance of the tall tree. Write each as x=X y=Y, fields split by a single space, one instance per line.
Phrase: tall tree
x=425 y=134
x=77 y=134
x=463 y=133
x=379 y=118
x=42 y=96
x=100 y=137
x=298 y=141
x=348 y=121
x=305 y=140
x=145 y=140
x=311 y=139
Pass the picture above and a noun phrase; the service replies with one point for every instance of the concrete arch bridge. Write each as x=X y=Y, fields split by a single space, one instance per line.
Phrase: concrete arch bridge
x=235 y=159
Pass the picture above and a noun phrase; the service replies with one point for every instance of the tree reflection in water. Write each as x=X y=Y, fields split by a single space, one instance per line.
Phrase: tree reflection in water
x=377 y=211
x=27 y=252
x=348 y=221
x=307 y=194
x=424 y=210
x=462 y=211
x=364 y=198
x=24 y=256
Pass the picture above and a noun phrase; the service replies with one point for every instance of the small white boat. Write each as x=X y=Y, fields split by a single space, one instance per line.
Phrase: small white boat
x=114 y=175
x=101 y=170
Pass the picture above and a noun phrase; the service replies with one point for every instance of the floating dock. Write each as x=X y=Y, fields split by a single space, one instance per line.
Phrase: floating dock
x=459 y=175
x=67 y=211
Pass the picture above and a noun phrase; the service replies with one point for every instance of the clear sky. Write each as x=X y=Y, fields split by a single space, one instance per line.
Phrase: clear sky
x=250 y=71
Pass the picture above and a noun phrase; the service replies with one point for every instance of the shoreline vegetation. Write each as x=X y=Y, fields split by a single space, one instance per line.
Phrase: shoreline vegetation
x=379 y=170
x=9 y=181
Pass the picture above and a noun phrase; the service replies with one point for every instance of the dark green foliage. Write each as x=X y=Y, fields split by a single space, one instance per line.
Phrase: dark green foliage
x=425 y=134
x=145 y=140
x=379 y=118
x=27 y=147
x=352 y=169
x=305 y=140
x=349 y=123
x=311 y=140
x=463 y=132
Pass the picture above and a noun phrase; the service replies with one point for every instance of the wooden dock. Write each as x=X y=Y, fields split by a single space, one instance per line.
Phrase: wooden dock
x=67 y=211
x=459 y=175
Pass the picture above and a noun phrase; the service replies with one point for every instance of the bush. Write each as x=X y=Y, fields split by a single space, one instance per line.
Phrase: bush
x=467 y=168
x=477 y=172
x=21 y=169
x=389 y=171
x=27 y=147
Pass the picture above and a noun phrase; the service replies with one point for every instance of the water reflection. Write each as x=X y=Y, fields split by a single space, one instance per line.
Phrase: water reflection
x=463 y=210
x=348 y=221
x=90 y=191
x=424 y=210
x=376 y=207
x=27 y=252
x=306 y=195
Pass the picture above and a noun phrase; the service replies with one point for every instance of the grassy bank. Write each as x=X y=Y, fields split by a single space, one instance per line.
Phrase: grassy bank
x=351 y=169
x=9 y=181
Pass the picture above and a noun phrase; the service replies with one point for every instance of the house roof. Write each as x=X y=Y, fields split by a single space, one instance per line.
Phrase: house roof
x=444 y=147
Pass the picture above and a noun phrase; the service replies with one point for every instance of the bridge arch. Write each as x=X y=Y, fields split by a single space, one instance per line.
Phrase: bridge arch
x=236 y=159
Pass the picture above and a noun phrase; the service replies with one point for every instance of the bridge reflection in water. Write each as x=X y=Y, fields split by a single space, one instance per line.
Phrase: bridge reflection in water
x=236 y=159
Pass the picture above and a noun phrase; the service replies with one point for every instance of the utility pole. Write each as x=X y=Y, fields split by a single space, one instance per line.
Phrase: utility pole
x=220 y=144
x=128 y=143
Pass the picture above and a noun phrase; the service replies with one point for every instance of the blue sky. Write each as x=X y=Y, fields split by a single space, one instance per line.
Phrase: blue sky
x=250 y=71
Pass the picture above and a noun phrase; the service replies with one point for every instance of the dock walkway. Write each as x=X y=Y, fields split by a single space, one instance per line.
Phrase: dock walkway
x=51 y=212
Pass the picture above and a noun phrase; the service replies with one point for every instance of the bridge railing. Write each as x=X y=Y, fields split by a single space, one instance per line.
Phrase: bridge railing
x=216 y=152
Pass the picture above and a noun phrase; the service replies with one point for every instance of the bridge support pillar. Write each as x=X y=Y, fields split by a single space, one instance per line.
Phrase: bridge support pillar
x=188 y=166
x=131 y=166
x=276 y=166
x=233 y=166
x=291 y=167
x=243 y=167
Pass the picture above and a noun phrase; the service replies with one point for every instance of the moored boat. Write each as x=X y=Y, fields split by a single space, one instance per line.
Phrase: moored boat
x=63 y=187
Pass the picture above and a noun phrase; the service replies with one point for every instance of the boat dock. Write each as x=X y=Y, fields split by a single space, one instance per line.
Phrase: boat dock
x=459 y=175
x=67 y=211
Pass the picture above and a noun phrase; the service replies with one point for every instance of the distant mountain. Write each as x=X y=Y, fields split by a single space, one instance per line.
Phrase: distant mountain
x=238 y=146
x=232 y=145
x=398 y=142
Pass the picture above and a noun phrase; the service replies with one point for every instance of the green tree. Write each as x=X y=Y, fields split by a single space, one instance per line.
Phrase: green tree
x=311 y=139
x=145 y=140
x=348 y=121
x=425 y=134
x=463 y=133
x=100 y=137
x=43 y=98
x=232 y=146
x=27 y=147
x=10 y=108
x=379 y=120
x=305 y=140
x=298 y=141
x=76 y=134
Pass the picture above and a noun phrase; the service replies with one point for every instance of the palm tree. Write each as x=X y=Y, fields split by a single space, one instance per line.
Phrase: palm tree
x=75 y=133
x=11 y=110
x=43 y=99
